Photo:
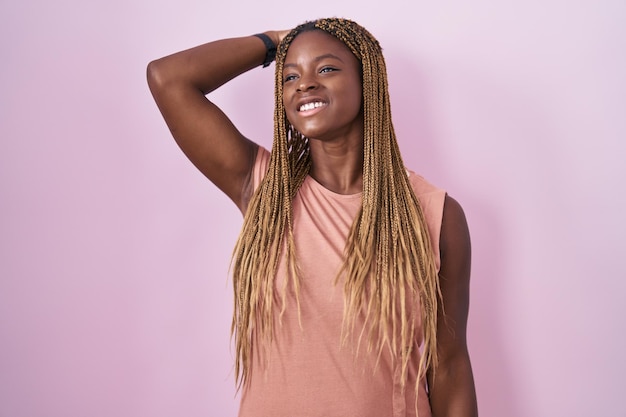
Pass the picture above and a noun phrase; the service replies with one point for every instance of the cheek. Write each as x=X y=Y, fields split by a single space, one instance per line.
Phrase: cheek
x=288 y=111
x=292 y=119
x=355 y=101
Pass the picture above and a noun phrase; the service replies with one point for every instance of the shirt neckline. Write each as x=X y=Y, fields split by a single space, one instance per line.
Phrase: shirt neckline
x=312 y=182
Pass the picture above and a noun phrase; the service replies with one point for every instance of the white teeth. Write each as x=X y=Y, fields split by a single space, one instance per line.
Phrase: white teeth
x=311 y=106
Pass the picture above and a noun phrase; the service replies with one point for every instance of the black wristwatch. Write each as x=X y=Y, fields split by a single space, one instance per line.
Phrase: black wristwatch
x=270 y=55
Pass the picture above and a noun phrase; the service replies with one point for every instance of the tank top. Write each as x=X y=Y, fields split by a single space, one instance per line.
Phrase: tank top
x=308 y=372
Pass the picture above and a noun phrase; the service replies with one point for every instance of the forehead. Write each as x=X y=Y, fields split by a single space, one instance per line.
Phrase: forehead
x=316 y=43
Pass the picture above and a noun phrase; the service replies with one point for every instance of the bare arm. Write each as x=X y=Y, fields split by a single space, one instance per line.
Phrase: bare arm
x=179 y=83
x=452 y=391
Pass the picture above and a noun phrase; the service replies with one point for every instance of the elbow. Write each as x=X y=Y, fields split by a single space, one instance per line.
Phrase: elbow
x=155 y=74
x=165 y=74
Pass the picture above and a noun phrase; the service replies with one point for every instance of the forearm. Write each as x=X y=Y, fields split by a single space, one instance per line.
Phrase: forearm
x=208 y=66
x=452 y=391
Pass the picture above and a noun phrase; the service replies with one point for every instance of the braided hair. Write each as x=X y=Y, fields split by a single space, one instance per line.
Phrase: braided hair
x=388 y=256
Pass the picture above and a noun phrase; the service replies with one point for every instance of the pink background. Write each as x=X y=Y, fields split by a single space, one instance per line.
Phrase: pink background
x=114 y=251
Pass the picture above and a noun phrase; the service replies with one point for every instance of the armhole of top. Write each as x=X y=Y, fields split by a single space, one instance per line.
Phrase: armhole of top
x=439 y=200
x=261 y=165
x=432 y=200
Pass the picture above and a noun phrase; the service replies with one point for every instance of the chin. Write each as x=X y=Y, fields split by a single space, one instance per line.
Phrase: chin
x=311 y=132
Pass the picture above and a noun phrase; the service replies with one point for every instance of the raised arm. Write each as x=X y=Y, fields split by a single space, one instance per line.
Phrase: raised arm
x=179 y=84
x=452 y=391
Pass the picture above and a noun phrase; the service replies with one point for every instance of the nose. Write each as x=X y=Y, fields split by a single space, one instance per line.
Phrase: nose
x=307 y=83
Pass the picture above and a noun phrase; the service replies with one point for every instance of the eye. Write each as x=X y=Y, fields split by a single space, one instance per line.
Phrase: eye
x=328 y=69
x=289 y=77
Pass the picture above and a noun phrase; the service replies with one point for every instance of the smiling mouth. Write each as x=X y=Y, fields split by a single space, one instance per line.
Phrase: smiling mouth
x=311 y=106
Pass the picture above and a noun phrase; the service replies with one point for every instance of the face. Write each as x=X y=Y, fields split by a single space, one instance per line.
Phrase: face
x=322 y=90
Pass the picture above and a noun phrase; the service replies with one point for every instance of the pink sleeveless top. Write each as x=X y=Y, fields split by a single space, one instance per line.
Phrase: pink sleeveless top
x=309 y=373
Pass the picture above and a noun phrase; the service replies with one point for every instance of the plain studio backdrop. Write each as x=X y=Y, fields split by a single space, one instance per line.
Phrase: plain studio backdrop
x=115 y=298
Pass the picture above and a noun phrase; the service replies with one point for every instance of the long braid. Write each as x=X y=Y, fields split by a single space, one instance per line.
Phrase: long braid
x=388 y=256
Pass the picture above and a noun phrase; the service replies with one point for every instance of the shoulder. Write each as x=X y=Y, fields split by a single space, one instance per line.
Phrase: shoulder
x=421 y=186
x=431 y=201
x=454 y=242
x=454 y=220
x=430 y=197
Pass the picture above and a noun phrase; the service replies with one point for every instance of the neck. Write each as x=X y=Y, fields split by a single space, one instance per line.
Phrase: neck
x=338 y=166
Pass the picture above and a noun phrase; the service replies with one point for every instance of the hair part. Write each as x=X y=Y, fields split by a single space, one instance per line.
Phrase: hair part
x=388 y=256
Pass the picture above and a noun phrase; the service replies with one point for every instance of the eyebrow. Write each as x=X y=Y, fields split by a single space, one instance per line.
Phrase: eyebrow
x=317 y=59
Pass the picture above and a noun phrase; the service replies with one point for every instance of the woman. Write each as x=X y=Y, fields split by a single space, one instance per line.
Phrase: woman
x=351 y=273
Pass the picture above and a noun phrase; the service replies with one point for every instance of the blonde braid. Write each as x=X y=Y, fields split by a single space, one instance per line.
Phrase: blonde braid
x=388 y=256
